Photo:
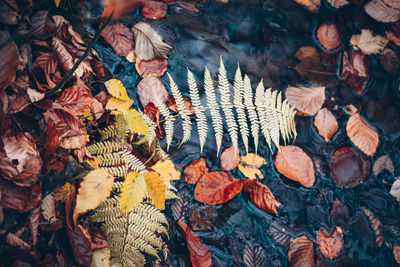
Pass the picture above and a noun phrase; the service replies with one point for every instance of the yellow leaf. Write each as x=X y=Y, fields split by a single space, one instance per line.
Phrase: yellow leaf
x=62 y=193
x=136 y=122
x=131 y=57
x=101 y=257
x=95 y=188
x=167 y=170
x=94 y=163
x=133 y=191
x=115 y=104
x=88 y=114
x=116 y=89
x=250 y=165
x=156 y=189
x=57 y=2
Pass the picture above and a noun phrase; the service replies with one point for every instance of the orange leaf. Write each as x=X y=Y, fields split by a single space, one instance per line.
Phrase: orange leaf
x=195 y=170
x=301 y=252
x=326 y=124
x=362 y=135
x=295 y=164
x=330 y=244
x=119 y=8
x=230 y=159
x=216 y=188
x=307 y=100
x=396 y=253
x=167 y=170
x=261 y=196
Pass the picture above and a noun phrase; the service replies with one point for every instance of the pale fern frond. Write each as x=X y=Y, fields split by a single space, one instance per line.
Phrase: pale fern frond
x=152 y=128
x=201 y=118
x=260 y=102
x=248 y=102
x=224 y=90
x=132 y=162
x=169 y=121
x=272 y=116
x=214 y=109
x=240 y=109
x=182 y=109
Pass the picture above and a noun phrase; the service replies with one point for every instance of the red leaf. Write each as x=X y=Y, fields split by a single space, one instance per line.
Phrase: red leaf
x=349 y=168
x=154 y=10
x=330 y=244
x=326 y=124
x=200 y=255
x=69 y=209
x=307 y=100
x=355 y=70
x=195 y=170
x=216 y=188
x=81 y=245
x=230 y=159
x=188 y=104
x=329 y=36
x=295 y=164
x=151 y=88
x=14 y=241
x=22 y=199
x=9 y=58
x=155 y=67
x=119 y=37
x=261 y=196
x=301 y=252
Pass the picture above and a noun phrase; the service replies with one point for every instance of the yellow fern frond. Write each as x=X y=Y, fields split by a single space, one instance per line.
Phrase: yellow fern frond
x=151 y=213
x=110 y=159
x=104 y=147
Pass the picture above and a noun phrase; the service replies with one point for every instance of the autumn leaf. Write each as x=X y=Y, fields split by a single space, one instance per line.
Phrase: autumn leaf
x=62 y=193
x=156 y=189
x=216 y=188
x=362 y=135
x=307 y=100
x=155 y=67
x=195 y=170
x=154 y=10
x=119 y=8
x=80 y=241
x=367 y=43
x=250 y=166
x=101 y=258
x=326 y=124
x=230 y=159
x=295 y=164
x=329 y=36
x=94 y=189
x=57 y=2
x=311 y=5
x=330 y=244
x=261 y=196
x=48 y=207
x=167 y=170
x=150 y=89
x=381 y=10
x=395 y=189
x=172 y=105
x=133 y=191
x=383 y=163
x=355 y=70
x=120 y=38
x=136 y=122
x=396 y=253
x=8 y=60
x=116 y=89
x=338 y=3
x=301 y=252
x=117 y=105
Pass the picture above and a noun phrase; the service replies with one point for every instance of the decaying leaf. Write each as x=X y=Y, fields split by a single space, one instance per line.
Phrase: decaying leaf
x=250 y=166
x=119 y=37
x=156 y=189
x=368 y=43
x=329 y=36
x=80 y=241
x=395 y=190
x=295 y=164
x=195 y=170
x=21 y=199
x=101 y=258
x=362 y=135
x=148 y=42
x=49 y=208
x=326 y=124
x=390 y=61
x=14 y=241
x=203 y=218
x=94 y=189
x=330 y=244
x=133 y=191
x=167 y=170
x=301 y=252
x=154 y=10
x=150 y=89
x=261 y=196
x=396 y=253
x=383 y=163
x=9 y=55
x=381 y=11
x=155 y=67
x=376 y=225
x=311 y=5
x=355 y=70
x=62 y=193
x=338 y=3
x=230 y=159
x=116 y=89
x=307 y=100
x=216 y=188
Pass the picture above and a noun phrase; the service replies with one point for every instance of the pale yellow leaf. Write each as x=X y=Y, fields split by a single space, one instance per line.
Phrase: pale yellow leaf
x=367 y=43
x=136 y=122
x=94 y=189
x=48 y=207
x=133 y=191
x=118 y=105
x=167 y=170
x=156 y=189
x=116 y=89
x=250 y=166
x=101 y=258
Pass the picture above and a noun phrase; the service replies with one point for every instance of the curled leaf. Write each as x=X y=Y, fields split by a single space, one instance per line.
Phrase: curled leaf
x=362 y=135
x=367 y=43
x=326 y=124
x=330 y=244
x=261 y=196
x=307 y=100
x=301 y=252
x=295 y=164
x=195 y=170
x=396 y=253
x=250 y=166
x=355 y=70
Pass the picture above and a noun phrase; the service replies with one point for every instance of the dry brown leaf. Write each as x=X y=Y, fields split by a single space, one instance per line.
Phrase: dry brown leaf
x=326 y=124
x=155 y=67
x=94 y=189
x=148 y=42
x=329 y=36
x=330 y=244
x=230 y=159
x=362 y=135
x=338 y=3
x=48 y=207
x=150 y=89
x=307 y=100
x=250 y=166
x=382 y=12
x=119 y=37
x=301 y=252
x=14 y=241
x=311 y=5
x=355 y=70
x=9 y=56
x=395 y=38
x=383 y=163
x=195 y=170
x=295 y=164
x=306 y=52
x=62 y=193
x=261 y=196
x=368 y=43
x=47 y=61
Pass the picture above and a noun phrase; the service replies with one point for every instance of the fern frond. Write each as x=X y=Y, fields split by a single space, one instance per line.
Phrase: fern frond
x=118 y=171
x=161 y=154
x=260 y=101
x=169 y=121
x=110 y=159
x=151 y=213
x=240 y=109
x=149 y=225
x=248 y=102
x=214 y=109
x=120 y=129
x=223 y=86
x=272 y=115
x=141 y=245
x=117 y=186
x=152 y=129
x=104 y=147
x=182 y=109
x=144 y=234
x=198 y=109
x=132 y=162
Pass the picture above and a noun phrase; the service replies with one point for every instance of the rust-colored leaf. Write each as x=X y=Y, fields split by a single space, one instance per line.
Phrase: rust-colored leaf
x=200 y=255
x=119 y=8
x=301 y=252
x=261 y=196
x=47 y=61
x=9 y=58
x=62 y=193
x=396 y=253
x=307 y=100
x=119 y=37
x=154 y=10
x=362 y=135
x=14 y=241
x=202 y=218
x=330 y=243
x=195 y=170
x=295 y=164
x=395 y=38
x=216 y=188
x=349 y=168
x=355 y=70
x=34 y=224
x=326 y=124
x=383 y=163
x=150 y=89
x=329 y=36
x=155 y=67
x=22 y=199
x=375 y=225
x=230 y=159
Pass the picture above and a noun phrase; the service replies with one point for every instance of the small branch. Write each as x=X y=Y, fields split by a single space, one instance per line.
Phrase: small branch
x=82 y=58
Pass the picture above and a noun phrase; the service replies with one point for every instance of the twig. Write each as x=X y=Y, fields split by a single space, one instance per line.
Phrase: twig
x=82 y=58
